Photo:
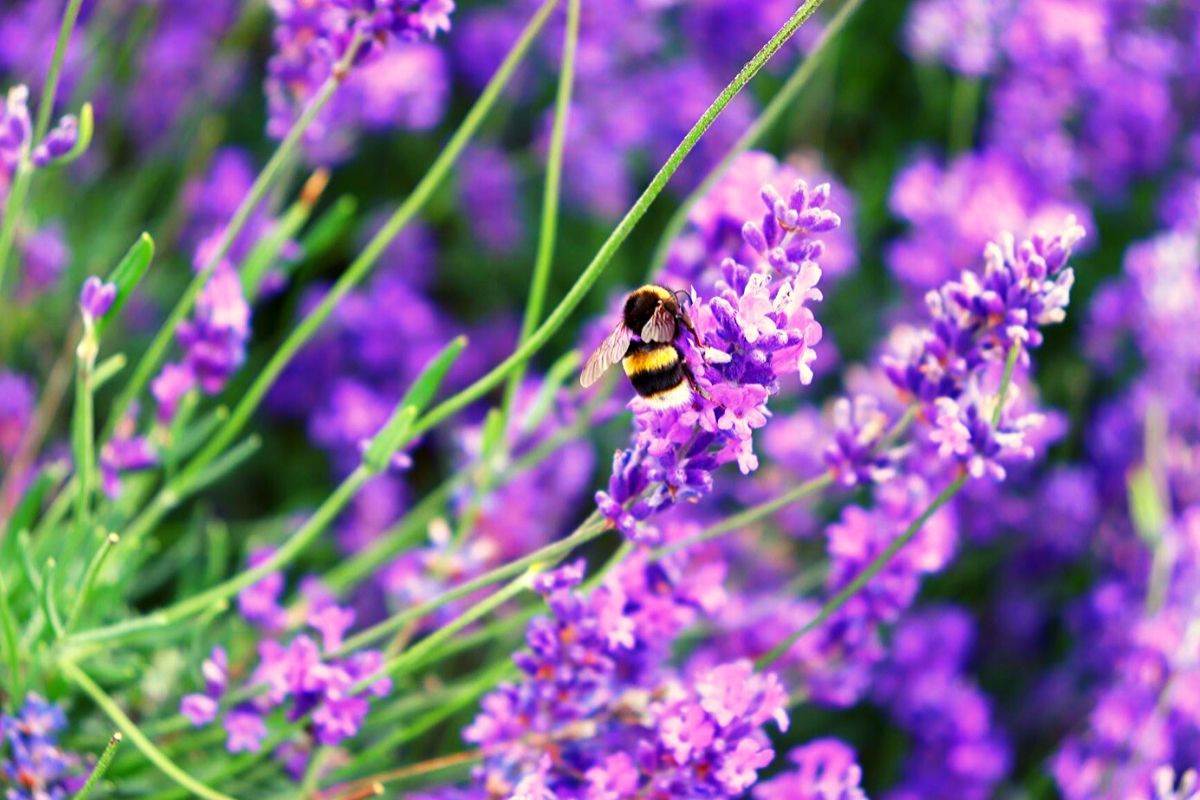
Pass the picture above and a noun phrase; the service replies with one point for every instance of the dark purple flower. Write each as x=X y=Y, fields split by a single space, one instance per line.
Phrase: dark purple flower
x=96 y=297
x=58 y=142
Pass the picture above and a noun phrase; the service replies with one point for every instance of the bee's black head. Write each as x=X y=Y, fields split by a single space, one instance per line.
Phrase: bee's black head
x=641 y=304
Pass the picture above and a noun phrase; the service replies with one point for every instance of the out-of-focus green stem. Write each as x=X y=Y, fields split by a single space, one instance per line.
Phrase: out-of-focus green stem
x=766 y=120
x=12 y=648
x=153 y=357
x=883 y=559
x=110 y=752
x=139 y=739
x=12 y=212
x=50 y=88
x=83 y=429
x=600 y=261
x=550 y=199
x=366 y=259
x=89 y=578
x=283 y=556
x=964 y=108
x=20 y=184
x=550 y=554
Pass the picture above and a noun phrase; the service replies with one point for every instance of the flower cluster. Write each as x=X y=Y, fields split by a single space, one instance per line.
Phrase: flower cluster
x=16 y=135
x=754 y=326
x=824 y=769
x=304 y=676
x=393 y=76
x=36 y=767
x=974 y=324
x=597 y=713
x=954 y=210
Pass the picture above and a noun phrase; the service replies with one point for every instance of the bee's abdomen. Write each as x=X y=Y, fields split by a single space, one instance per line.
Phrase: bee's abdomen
x=656 y=372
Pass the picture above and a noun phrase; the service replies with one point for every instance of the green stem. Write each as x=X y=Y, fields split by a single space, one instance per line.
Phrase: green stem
x=157 y=350
x=766 y=120
x=413 y=655
x=183 y=486
x=119 y=718
x=83 y=426
x=12 y=211
x=615 y=239
x=362 y=265
x=8 y=628
x=110 y=752
x=286 y=553
x=874 y=568
x=20 y=184
x=550 y=199
x=50 y=88
x=89 y=578
x=550 y=554
x=747 y=516
x=1010 y=366
x=883 y=559
x=49 y=603
x=964 y=107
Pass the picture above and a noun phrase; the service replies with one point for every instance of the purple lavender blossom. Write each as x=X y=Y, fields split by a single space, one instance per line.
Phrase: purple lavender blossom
x=36 y=767
x=182 y=59
x=18 y=396
x=954 y=211
x=825 y=769
x=96 y=298
x=44 y=257
x=302 y=676
x=488 y=187
x=754 y=329
x=214 y=340
x=124 y=452
x=964 y=34
x=595 y=691
x=312 y=39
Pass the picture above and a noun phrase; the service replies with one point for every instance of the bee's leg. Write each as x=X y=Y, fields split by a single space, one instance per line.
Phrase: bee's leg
x=691 y=379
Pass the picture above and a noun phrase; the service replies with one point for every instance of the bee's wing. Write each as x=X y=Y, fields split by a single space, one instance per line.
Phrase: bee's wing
x=660 y=327
x=610 y=351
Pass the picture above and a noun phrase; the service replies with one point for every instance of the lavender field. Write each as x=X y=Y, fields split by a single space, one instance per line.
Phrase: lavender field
x=600 y=399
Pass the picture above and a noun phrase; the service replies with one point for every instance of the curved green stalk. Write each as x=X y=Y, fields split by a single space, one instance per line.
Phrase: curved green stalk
x=600 y=261
x=20 y=184
x=552 y=553
x=110 y=752
x=883 y=559
x=766 y=120
x=50 y=88
x=366 y=259
x=540 y=279
x=89 y=578
x=747 y=516
x=874 y=568
x=139 y=739
x=157 y=350
x=286 y=553
x=83 y=427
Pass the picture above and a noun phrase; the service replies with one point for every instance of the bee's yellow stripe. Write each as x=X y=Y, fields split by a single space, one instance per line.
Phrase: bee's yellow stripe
x=645 y=361
x=657 y=291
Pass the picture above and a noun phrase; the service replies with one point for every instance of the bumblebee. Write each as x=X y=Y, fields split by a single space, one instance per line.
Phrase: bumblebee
x=644 y=342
